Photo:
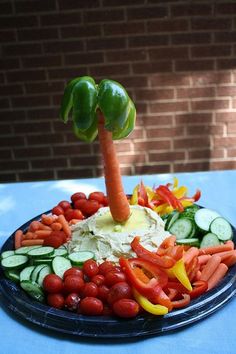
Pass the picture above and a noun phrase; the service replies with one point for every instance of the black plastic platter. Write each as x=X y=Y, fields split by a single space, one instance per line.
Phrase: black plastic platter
x=15 y=299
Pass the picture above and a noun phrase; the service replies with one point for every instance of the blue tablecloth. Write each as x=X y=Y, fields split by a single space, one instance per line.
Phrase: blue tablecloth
x=20 y=202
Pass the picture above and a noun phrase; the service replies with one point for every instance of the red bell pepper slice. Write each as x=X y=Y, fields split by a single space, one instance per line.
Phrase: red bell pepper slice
x=164 y=261
x=164 y=193
x=182 y=302
x=157 y=277
x=199 y=287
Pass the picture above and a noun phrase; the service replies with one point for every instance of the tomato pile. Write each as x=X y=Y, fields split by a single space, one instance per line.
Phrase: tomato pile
x=92 y=290
x=80 y=207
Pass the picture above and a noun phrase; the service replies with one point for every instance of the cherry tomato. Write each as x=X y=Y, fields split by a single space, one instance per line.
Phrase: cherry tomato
x=72 y=301
x=113 y=277
x=105 y=201
x=65 y=205
x=73 y=214
x=91 y=306
x=73 y=284
x=77 y=196
x=126 y=308
x=73 y=271
x=119 y=291
x=52 y=283
x=91 y=207
x=90 y=289
x=90 y=268
x=55 y=300
x=98 y=279
x=56 y=239
x=57 y=210
x=105 y=267
x=80 y=204
x=103 y=292
x=98 y=196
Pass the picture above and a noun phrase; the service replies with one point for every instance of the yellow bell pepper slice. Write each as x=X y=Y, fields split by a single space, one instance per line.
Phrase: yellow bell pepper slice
x=178 y=271
x=148 y=306
x=134 y=198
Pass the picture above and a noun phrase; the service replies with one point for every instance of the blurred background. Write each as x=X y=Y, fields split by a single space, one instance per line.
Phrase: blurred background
x=177 y=60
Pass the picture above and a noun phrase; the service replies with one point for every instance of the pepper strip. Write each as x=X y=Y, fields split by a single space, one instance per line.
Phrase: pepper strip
x=148 y=306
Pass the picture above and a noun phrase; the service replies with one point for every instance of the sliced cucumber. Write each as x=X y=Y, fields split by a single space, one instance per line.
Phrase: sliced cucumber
x=222 y=229
x=171 y=219
x=78 y=258
x=59 y=252
x=35 y=273
x=42 y=274
x=182 y=228
x=15 y=261
x=190 y=212
x=189 y=242
x=25 y=249
x=33 y=290
x=26 y=273
x=60 y=265
x=203 y=218
x=37 y=261
x=6 y=254
x=209 y=240
x=41 y=252
x=13 y=274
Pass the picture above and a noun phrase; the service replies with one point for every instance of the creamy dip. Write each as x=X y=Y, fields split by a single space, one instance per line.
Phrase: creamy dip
x=111 y=240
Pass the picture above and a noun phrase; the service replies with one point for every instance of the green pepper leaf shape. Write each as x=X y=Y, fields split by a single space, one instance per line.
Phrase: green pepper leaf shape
x=83 y=97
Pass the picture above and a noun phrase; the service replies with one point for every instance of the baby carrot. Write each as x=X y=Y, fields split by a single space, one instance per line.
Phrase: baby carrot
x=190 y=254
x=65 y=226
x=215 y=249
x=210 y=267
x=202 y=260
x=37 y=225
x=32 y=242
x=56 y=226
x=42 y=233
x=226 y=254
x=217 y=275
x=29 y=235
x=18 y=238
x=230 y=261
x=47 y=219
x=74 y=221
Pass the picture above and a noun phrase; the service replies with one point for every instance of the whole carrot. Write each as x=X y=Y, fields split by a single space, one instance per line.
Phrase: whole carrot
x=18 y=238
x=210 y=267
x=217 y=276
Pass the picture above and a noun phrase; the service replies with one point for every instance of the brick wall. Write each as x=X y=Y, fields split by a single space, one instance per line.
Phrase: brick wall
x=176 y=59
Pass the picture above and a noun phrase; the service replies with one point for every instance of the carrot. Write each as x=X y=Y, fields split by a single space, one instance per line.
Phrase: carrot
x=56 y=226
x=74 y=221
x=217 y=275
x=29 y=235
x=65 y=226
x=117 y=200
x=47 y=219
x=37 y=225
x=198 y=275
x=226 y=254
x=215 y=249
x=230 y=242
x=32 y=242
x=202 y=260
x=190 y=254
x=18 y=238
x=210 y=267
x=42 y=234
x=230 y=261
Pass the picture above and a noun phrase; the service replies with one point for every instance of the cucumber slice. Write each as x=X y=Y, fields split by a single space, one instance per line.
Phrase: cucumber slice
x=209 y=240
x=41 y=252
x=13 y=274
x=42 y=274
x=59 y=252
x=15 y=261
x=222 y=229
x=204 y=217
x=78 y=258
x=171 y=219
x=189 y=242
x=190 y=212
x=60 y=265
x=6 y=254
x=45 y=261
x=25 y=249
x=35 y=273
x=33 y=290
x=26 y=273
x=182 y=228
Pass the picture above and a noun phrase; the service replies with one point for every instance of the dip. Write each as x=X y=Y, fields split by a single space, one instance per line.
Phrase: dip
x=110 y=240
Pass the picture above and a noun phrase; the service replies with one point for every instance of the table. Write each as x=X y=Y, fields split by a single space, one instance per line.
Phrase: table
x=20 y=202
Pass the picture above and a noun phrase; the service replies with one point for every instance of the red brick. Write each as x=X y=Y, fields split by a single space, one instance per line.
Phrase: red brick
x=13 y=165
x=104 y=16
x=84 y=58
x=5 y=8
x=109 y=70
x=166 y=25
x=43 y=87
x=195 y=92
x=152 y=67
x=36 y=175
x=211 y=51
x=37 y=34
x=30 y=101
x=4 y=103
x=70 y=173
x=5 y=129
x=31 y=152
x=226 y=117
x=225 y=37
x=5 y=154
x=225 y=142
x=205 y=130
x=7 y=36
x=45 y=139
x=192 y=65
x=132 y=159
x=226 y=91
x=191 y=38
x=106 y=43
x=36 y=127
x=157 y=120
x=141 y=13
x=150 y=145
x=152 y=169
x=231 y=127
x=208 y=78
x=223 y=165
x=35 y=6
x=191 y=166
x=42 y=113
x=126 y=55
x=168 y=106
x=158 y=94
x=21 y=49
x=7 y=177
x=12 y=116
x=148 y=40
x=60 y=19
x=69 y=150
x=111 y=3
x=194 y=118
x=121 y=147
x=18 y=21
x=164 y=132
x=26 y=75
x=211 y=23
x=50 y=162
x=124 y=28
x=80 y=31
x=226 y=8
x=186 y=143
x=191 y=10
x=223 y=64
x=133 y=81
x=166 y=156
x=42 y=61
x=67 y=72
x=231 y=152
x=6 y=90
x=11 y=141
x=63 y=46
x=168 y=53
x=172 y=79
x=9 y=63
x=90 y=160
x=77 y=4
x=137 y=134
x=205 y=154
x=209 y=105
